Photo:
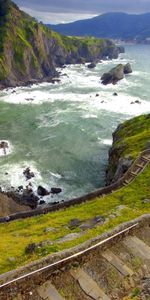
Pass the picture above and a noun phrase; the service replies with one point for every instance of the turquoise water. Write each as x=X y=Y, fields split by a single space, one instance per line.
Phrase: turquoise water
x=63 y=132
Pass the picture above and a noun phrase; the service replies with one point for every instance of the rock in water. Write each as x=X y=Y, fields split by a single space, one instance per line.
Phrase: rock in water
x=56 y=190
x=42 y=191
x=114 y=75
x=28 y=174
x=92 y=65
x=127 y=69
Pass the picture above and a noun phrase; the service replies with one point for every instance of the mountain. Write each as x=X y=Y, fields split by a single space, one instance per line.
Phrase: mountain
x=30 y=52
x=109 y=25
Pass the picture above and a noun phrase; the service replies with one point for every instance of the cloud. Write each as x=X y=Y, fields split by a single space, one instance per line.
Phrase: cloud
x=56 y=11
x=55 y=18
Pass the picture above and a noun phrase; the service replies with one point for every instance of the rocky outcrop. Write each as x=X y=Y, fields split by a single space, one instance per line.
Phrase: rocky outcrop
x=115 y=74
x=127 y=69
x=129 y=139
x=30 y=52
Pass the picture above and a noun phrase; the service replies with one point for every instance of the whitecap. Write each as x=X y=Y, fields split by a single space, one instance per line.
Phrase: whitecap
x=106 y=141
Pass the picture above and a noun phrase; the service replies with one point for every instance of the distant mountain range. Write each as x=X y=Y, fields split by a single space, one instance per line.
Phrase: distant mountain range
x=110 y=25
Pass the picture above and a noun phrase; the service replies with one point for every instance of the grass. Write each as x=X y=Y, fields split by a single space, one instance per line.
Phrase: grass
x=137 y=138
x=17 y=235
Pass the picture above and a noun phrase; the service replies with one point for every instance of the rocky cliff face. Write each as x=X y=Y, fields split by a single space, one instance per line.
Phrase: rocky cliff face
x=129 y=139
x=30 y=51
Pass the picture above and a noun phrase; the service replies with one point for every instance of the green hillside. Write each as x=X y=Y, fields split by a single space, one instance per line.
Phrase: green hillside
x=30 y=51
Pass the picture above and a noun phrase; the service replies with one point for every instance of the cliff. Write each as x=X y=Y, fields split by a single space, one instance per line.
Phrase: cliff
x=29 y=51
x=129 y=139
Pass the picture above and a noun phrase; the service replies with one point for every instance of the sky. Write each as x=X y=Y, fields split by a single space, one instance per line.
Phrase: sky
x=63 y=11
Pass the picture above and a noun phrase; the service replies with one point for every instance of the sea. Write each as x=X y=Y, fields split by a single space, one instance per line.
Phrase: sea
x=63 y=131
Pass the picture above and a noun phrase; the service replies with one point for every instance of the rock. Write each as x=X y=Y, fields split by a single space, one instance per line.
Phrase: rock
x=97 y=95
x=69 y=237
x=31 y=248
x=135 y=102
x=114 y=75
x=74 y=223
x=41 y=191
x=56 y=190
x=20 y=188
x=122 y=168
x=29 y=198
x=92 y=65
x=92 y=223
x=28 y=174
x=3 y=145
x=146 y=201
x=127 y=69
x=42 y=202
x=49 y=229
x=11 y=259
x=121 y=49
x=115 y=94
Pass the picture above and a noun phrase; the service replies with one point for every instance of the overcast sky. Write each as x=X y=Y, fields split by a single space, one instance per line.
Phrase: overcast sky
x=60 y=11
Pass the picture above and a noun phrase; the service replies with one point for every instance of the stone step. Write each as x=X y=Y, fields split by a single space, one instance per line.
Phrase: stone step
x=145 y=158
x=48 y=292
x=88 y=285
x=133 y=173
x=139 y=166
x=117 y=263
x=138 y=247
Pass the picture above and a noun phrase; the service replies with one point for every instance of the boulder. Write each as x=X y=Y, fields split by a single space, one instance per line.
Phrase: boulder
x=115 y=94
x=114 y=75
x=42 y=202
x=92 y=65
x=42 y=191
x=74 y=223
x=127 y=69
x=3 y=145
x=56 y=190
x=28 y=174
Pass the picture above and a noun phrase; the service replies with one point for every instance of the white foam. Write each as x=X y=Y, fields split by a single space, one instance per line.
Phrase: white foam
x=106 y=142
x=81 y=85
x=12 y=175
x=56 y=175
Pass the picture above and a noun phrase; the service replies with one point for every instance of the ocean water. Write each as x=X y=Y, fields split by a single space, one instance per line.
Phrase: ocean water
x=63 y=131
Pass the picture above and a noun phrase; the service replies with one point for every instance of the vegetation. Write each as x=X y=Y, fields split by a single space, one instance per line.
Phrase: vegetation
x=17 y=235
x=138 y=136
x=29 y=49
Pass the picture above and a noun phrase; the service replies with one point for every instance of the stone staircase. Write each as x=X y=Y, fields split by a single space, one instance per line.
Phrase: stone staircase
x=104 y=275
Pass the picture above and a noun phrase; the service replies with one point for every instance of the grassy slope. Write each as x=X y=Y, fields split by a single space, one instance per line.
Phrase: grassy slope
x=17 y=235
x=133 y=136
